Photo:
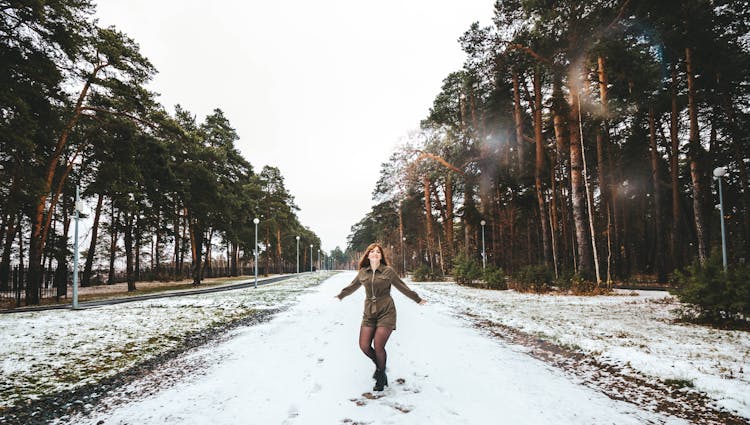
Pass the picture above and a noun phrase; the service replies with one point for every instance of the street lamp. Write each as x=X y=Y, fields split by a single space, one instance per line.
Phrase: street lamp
x=297 y=237
x=484 y=253
x=318 y=258
x=310 y=258
x=720 y=172
x=255 y=250
x=403 y=253
x=78 y=209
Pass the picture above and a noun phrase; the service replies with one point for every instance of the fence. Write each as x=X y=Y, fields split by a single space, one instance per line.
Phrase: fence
x=13 y=288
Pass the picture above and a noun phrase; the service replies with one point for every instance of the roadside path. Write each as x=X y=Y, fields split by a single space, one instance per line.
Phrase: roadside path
x=304 y=367
x=166 y=294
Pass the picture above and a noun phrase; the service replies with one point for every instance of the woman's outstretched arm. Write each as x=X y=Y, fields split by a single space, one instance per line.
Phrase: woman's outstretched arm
x=350 y=289
x=402 y=287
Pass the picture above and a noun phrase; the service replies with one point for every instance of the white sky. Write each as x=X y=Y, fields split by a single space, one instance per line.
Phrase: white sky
x=322 y=90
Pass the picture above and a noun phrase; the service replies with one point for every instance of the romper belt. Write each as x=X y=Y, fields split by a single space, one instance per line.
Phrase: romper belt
x=374 y=299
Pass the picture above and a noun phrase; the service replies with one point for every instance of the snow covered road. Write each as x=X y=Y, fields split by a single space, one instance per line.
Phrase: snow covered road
x=304 y=367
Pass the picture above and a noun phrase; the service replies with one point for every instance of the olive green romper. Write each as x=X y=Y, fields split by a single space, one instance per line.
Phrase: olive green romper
x=379 y=307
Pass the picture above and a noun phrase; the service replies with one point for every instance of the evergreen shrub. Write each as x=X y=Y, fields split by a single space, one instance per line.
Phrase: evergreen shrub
x=466 y=270
x=494 y=278
x=534 y=278
x=719 y=299
x=423 y=273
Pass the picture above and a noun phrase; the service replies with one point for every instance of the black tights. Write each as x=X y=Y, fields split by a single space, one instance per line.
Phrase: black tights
x=380 y=336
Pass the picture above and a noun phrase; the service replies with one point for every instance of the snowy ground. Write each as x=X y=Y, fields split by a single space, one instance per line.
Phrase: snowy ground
x=47 y=352
x=635 y=331
x=304 y=365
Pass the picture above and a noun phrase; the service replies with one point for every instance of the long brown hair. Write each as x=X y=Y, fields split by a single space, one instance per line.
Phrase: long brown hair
x=365 y=261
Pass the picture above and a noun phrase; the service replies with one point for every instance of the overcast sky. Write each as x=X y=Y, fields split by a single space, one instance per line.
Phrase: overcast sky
x=323 y=89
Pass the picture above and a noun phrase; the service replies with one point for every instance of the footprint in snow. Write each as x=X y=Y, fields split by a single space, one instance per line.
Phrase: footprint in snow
x=348 y=421
x=375 y=395
x=293 y=413
x=315 y=388
x=401 y=407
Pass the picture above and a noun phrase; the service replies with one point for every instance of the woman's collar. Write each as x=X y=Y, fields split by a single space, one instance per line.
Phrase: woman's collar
x=369 y=267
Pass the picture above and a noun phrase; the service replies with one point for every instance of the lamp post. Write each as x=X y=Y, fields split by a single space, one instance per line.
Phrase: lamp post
x=78 y=208
x=318 y=259
x=255 y=250
x=403 y=253
x=297 y=237
x=310 y=258
x=484 y=253
x=720 y=172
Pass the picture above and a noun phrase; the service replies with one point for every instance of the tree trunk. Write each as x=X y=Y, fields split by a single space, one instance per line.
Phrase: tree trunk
x=233 y=261
x=604 y=159
x=10 y=230
x=61 y=271
x=539 y=165
x=402 y=263
x=177 y=236
x=428 y=218
x=674 y=168
x=560 y=172
x=40 y=224
x=156 y=257
x=207 y=263
x=113 y=246
x=659 y=259
x=512 y=234
x=20 y=244
x=578 y=197
x=137 y=249
x=196 y=248
x=696 y=157
x=128 y=243
x=86 y=279
x=476 y=123
x=518 y=119
x=449 y=219
x=10 y=235
x=279 y=266
x=444 y=218
x=468 y=207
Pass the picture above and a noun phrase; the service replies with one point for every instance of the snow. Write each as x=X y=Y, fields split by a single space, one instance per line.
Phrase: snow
x=634 y=329
x=304 y=366
x=49 y=351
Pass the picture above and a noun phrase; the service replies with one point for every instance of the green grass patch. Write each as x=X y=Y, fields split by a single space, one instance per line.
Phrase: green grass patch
x=679 y=383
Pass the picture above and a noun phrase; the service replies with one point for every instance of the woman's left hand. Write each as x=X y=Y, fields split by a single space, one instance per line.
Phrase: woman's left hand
x=423 y=302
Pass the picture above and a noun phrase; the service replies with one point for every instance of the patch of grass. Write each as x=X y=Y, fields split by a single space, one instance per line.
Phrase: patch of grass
x=679 y=383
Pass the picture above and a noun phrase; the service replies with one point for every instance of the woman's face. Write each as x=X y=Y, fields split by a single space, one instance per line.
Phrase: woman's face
x=375 y=255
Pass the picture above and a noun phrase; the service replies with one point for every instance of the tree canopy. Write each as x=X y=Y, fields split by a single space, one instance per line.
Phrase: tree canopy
x=583 y=135
x=75 y=110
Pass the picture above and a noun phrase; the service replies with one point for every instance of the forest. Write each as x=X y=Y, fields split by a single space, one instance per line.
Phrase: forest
x=587 y=139
x=165 y=191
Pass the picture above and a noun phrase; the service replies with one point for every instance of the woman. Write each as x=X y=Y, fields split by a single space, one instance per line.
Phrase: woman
x=379 y=318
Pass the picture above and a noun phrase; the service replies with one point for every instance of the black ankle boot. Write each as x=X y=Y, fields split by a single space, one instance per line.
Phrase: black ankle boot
x=381 y=380
x=375 y=374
